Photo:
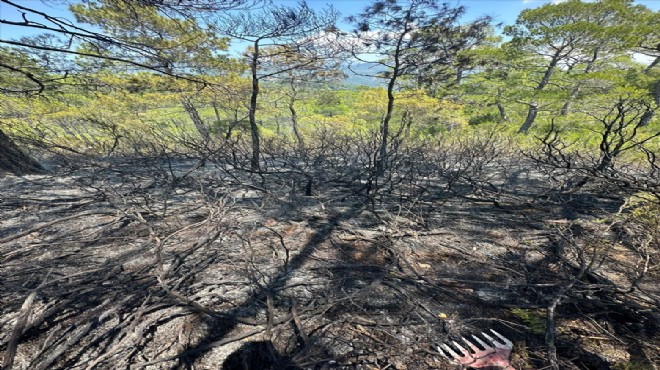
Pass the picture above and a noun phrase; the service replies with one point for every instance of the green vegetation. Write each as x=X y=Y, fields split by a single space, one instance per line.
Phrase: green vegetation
x=566 y=63
x=534 y=320
x=550 y=123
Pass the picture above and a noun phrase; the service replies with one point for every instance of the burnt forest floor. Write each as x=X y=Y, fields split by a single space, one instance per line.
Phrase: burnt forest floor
x=160 y=263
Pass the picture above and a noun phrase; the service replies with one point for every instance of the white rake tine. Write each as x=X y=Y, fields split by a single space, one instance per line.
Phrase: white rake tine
x=465 y=351
x=474 y=348
x=495 y=343
x=451 y=352
x=442 y=353
x=483 y=344
x=507 y=342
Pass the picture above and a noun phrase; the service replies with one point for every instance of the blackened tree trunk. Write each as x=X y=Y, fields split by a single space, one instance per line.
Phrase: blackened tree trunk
x=653 y=64
x=531 y=117
x=500 y=106
x=294 y=118
x=385 y=129
x=252 y=113
x=381 y=164
x=459 y=75
x=502 y=111
x=197 y=120
x=646 y=117
x=534 y=107
x=16 y=161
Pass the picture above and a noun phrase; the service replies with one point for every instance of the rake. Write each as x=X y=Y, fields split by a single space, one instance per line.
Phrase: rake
x=495 y=354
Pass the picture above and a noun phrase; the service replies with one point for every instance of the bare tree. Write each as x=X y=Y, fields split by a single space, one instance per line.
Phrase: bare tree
x=619 y=134
x=314 y=64
x=293 y=28
x=403 y=38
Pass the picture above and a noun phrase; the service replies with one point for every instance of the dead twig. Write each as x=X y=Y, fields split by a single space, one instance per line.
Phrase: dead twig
x=21 y=323
x=26 y=309
x=48 y=224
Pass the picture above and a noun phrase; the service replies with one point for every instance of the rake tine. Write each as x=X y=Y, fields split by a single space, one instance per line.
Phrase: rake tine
x=507 y=342
x=483 y=344
x=451 y=352
x=495 y=352
x=496 y=344
x=474 y=348
x=465 y=351
x=442 y=352
x=493 y=341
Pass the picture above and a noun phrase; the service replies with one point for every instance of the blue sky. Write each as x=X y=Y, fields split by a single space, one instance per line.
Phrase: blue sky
x=502 y=11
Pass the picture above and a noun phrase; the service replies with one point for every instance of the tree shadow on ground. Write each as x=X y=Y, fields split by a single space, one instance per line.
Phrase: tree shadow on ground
x=369 y=291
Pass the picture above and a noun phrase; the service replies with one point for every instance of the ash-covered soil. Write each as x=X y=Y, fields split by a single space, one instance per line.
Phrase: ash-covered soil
x=165 y=264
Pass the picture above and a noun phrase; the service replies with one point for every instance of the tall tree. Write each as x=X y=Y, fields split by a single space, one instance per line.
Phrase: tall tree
x=63 y=37
x=60 y=36
x=20 y=74
x=291 y=28
x=313 y=65
x=572 y=35
x=464 y=50
x=404 y=37
x=614 y=28
x=546 y=31
x=493 y=82
x=179 y=45
x=649 y=45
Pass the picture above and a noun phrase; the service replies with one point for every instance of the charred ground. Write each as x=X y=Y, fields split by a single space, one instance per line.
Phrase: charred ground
x=167 y=261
